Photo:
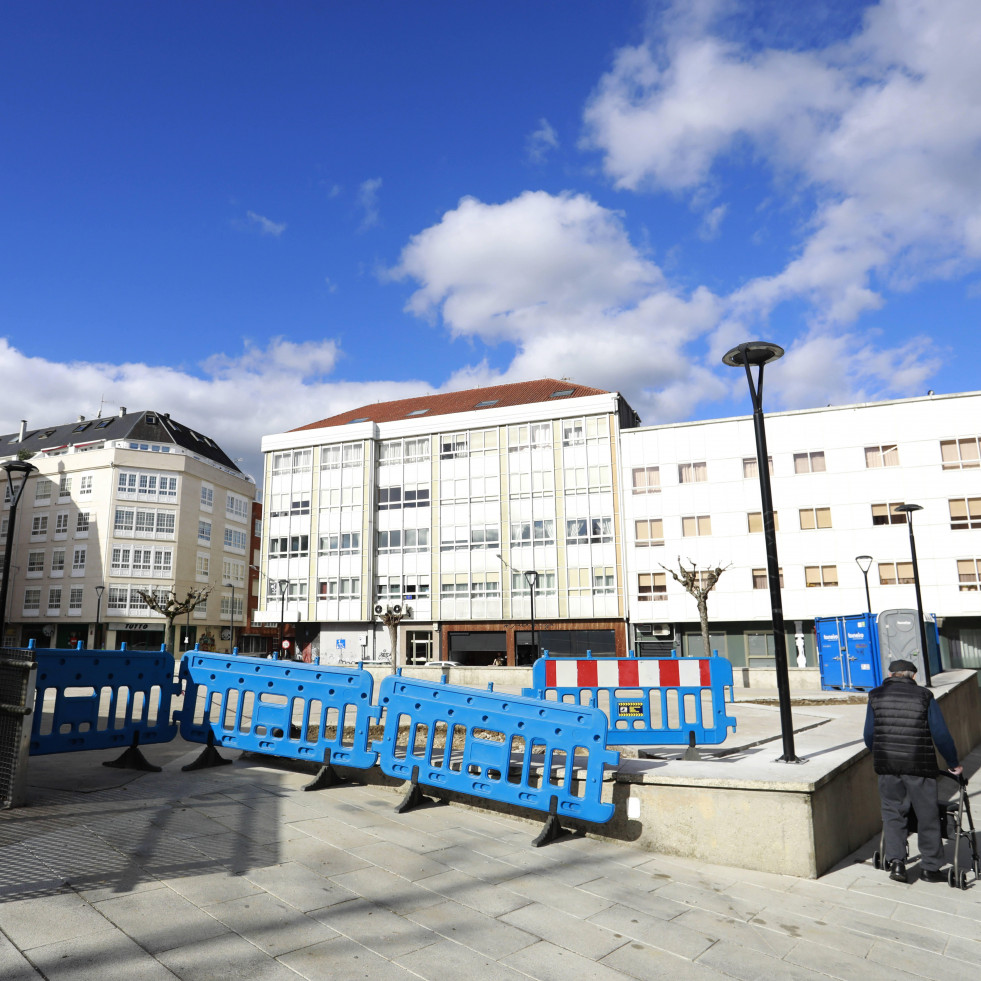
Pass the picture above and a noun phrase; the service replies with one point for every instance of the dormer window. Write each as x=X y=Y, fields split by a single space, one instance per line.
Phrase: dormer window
x=151 y=419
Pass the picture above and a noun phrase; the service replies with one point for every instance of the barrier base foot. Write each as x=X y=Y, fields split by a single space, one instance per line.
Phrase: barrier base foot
x=416 y=798
x=692 y=752
x=209 y=757
x=326 y=777
x=552 y=831
x=132 y=759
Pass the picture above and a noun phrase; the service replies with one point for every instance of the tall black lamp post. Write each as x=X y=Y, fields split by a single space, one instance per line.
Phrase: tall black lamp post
x=531 y=577
x=749 y=355
x=99 y=590
x=283 y=585
x=908 y=510
x=11 y=468
x=231 y=620
x=865 y=563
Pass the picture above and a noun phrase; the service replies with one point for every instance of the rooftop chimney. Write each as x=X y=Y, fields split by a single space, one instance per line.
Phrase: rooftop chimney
x=122 y=411
x=81 y=418
x=23 y=431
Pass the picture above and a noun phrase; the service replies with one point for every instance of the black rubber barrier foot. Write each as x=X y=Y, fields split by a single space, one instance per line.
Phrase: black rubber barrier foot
x=133 y=759
x=415 y=797
x=552 y=829
x=692 y=752
x=209 y=757
x=326 y=777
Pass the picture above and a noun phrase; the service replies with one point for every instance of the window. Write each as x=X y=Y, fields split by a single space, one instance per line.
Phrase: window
x=42 y=491
x=230 y=569
x=82 y=524
x=57 y=562
x=454 y=536
x=646 y=480
x=886 y=514
x=54 y=600
x=580 y=480
x=78 y=562
x=882 y=456
x=39 y=526
x=202 y=566
x=236 y=508
x=541 y=532
x=85 y=485
x=341 y=588
x=340 y=542
x=389 y=498
x=604 y=581
x=418 y=412
x=544 y=586
x=761 y=579
x=416 y=450
x=32 y=601
x=390 y=452
x=35 y=563
x=204 y=532
x=453 y=445
x=61 y=525
x=75 y=600
x=696 y=526
x=163 y=562
x=652 y=586
x=292 y=461
x=809 y=462
x=649 y=531
x=692 y=473
x=573 y=432
x=820 y=575
x=415 y=496
x=895 y=573
x=754 y=522
x=969 y=574
x=960 y=454
x=812 y=518
x=236 y=539
x=64 y=487
x=291 y=546
x=485 y=536
x=964 y=513
x=751 y=467
x=416 y=539
x=583 y=531
x=207 y=497
x=390 y=541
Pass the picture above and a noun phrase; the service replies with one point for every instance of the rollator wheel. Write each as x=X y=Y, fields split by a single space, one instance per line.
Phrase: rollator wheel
x=962 y=883
x=951 y=881
x=877 y=859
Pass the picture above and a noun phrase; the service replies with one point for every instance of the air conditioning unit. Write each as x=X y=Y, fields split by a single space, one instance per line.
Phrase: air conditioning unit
x=396 y=609
x=662 y=630
x=379 y=609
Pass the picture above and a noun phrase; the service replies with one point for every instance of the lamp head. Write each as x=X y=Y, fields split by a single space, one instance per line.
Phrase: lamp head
x=864 y=562
x=531 y=578
x=908 y=508
x=752 y=353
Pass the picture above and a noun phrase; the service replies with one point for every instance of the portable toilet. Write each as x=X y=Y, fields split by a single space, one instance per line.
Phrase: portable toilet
x=899 y=637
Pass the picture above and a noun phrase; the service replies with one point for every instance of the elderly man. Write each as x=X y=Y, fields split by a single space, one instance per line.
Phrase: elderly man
x=902 y=726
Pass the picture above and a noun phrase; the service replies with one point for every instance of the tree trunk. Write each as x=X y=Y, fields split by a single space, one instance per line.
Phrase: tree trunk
x=393 y=635
x=703 y=617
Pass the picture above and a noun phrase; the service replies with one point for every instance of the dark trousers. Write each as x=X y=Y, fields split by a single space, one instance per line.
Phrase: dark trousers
x=898 y=794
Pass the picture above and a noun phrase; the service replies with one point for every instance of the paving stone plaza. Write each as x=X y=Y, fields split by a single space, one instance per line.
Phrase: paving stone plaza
x=236 y=873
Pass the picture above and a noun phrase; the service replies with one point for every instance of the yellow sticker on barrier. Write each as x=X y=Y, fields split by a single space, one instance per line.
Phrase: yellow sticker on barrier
x=630 y=710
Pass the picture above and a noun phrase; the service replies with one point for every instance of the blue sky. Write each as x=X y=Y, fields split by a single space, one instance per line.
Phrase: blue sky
x=254 y=215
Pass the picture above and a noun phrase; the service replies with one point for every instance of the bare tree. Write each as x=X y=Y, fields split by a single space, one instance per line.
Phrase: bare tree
x=166 y=603
x=698 y=583
x=392 y=616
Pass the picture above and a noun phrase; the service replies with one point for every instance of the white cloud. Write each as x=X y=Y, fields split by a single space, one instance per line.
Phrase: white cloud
x=266 y=226
x=882 y=131
x=234 y=399
x=541 y=142
x=368 y=201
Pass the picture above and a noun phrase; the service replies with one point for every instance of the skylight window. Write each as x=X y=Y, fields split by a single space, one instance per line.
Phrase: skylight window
x=104 y=424
x=483 y=405
x=560 y=394
x=418 y=412
x=362 y=419
x=82 y=427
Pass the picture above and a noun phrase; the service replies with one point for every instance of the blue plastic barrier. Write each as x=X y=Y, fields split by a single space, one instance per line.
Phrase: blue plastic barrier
x=101 y=699
x=284 y=708
x=648 y=701
x=502 y=736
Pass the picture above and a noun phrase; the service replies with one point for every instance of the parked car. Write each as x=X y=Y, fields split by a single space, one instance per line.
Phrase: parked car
x=443 y=664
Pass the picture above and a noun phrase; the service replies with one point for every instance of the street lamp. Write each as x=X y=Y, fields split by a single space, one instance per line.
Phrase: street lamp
x=99 y=590
x=283 y=585
x=531 y=577
x=865 y=563
x=25 y=469
x=908 y=510
x=231 y=620
x=748 y=355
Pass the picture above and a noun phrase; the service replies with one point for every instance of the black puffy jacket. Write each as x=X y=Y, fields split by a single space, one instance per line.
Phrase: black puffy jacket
x=901 y=741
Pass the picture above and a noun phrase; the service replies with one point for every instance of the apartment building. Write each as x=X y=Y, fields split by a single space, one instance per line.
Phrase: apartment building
x=119 y=505
x=443 y=503
x=837 y=473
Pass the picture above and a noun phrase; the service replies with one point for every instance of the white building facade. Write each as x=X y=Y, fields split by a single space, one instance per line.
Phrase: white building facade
x=121 y=505
x=444 y=503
